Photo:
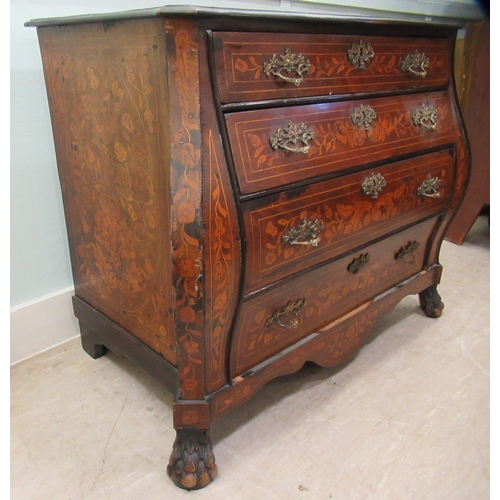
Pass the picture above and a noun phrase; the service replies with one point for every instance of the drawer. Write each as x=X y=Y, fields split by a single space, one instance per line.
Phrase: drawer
x=294 y=230
x=278 y=146
x=261 y=66
x=278 y=318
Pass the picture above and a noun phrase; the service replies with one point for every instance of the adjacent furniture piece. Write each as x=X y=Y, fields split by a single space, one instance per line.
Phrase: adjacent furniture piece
x=474 y=100
x=248 y=191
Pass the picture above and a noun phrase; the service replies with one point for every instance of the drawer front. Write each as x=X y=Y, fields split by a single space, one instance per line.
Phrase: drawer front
x=296 y=229
x=279 y=318
x=260 y=66
x=275 y=147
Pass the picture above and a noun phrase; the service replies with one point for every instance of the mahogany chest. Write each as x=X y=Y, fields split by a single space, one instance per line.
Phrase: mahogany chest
x=245 y=192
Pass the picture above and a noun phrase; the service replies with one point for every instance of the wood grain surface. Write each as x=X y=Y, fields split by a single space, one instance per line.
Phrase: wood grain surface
x=351 y=218
x=329 y=291
x=338 y=144
x=107 y=96
x=240 y=59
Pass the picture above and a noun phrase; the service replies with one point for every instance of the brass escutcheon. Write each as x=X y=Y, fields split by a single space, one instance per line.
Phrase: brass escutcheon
x=359 y=54
x=290 y=309
x=415 y=63
x=293 y=134
x=288 y=63
x=430 y=188
x=426 y=116
x=357 y=264
x=373 y=184
x=363 y=116
x=306 y=233
x=407 y=253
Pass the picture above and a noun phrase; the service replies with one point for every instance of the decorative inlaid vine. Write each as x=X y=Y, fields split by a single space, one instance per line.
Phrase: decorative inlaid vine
x=319 y=298
x=328 y=349
x=337 y=65
x=221 y=261
x=186 y=214
x=338 y=135
x=339 y=219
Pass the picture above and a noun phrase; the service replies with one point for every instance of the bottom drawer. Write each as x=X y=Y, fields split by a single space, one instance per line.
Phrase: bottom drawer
x=280 y=317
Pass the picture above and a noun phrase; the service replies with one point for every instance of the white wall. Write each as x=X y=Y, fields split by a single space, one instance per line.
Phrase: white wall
x=40 y=266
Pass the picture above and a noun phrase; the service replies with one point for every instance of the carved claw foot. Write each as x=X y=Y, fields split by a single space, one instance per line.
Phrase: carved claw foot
x=430 y=302
x=192 y=464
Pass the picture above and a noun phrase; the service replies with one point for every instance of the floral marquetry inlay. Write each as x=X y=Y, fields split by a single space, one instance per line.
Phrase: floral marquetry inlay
x=363 y=128
x=186 y=207
x=110 y=106
x=338 y=64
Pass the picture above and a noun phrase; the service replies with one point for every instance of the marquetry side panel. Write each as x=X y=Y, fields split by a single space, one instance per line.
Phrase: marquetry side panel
x=107 y=97
x=222 y=252
x=187 y=221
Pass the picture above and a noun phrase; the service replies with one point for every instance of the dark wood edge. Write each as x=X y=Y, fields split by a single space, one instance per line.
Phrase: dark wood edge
x=339 y=15
x=119 y=341
x=233 y=107
x=226 y=146
x=309 y=349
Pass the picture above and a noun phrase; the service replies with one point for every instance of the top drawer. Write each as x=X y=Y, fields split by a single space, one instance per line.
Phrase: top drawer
x=260 y=66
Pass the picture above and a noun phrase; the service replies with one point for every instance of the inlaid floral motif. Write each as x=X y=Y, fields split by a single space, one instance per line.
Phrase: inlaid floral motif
x=186 y=213
x=222 y=291
x=336 y=65
x=110 y=148
x=329 y=349
x=337 y=135
x=340 y=219
x=320 y=300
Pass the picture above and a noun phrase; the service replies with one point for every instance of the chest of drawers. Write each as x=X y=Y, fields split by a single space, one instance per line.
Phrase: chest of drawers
x=247 y=192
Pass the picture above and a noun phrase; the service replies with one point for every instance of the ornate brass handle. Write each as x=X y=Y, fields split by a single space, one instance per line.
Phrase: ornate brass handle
x=306 y=233
x=357 y=264
x=288 y=63
x=293 y=134
x=426 y=116
x=407 y=253
x=359 y=54
x=291 y=309
x=415 y=63
x=363 y=116
x=430 y=188
x=373 y=184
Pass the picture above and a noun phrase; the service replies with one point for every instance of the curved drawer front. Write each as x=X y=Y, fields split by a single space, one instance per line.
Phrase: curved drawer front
x=275 y=147
x=278 y=318
x=260 y=66
x=296 y=229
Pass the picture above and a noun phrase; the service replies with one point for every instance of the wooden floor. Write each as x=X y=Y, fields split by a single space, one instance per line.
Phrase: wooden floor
x=408 y=418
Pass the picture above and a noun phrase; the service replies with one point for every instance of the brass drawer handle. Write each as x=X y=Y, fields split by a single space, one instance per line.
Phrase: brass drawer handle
x=363 y=116
x=359 y=54
x=357 y=264
x=426 y=116
x=291 y=309
x=415 y=63
x=306 y=233
x=430 y=188
x=407 y=253
x=293 y=134
x=373 y=184
x=288 y=63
